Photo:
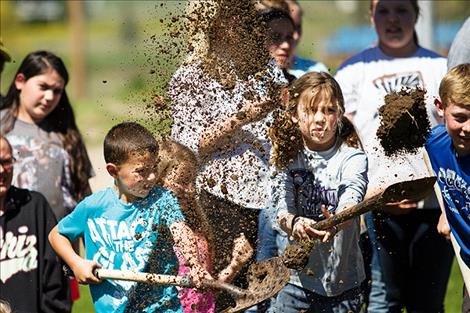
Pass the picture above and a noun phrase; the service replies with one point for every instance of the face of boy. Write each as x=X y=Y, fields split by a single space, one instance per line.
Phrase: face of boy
x=394 y=21
x=39 y=95
x=136 y=176
x=281 y=41
x=457 y=119
x=317 y=123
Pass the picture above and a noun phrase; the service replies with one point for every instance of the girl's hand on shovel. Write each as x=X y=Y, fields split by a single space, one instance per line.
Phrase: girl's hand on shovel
x=303 y=230
x=83 y=271
x=198 y=275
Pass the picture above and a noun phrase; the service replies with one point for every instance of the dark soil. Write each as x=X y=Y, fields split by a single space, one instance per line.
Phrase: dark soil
x=404 y=124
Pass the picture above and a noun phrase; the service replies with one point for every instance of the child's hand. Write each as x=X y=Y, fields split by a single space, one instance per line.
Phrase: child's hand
x=242 y=251
x=303 y=230
x=199 y=274
x=443 y=227
x=83 y=271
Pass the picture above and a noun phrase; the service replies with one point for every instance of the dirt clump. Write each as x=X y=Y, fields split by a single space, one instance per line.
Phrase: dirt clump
x=404 y=123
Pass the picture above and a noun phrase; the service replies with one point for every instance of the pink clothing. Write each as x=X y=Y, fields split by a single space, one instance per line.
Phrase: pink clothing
x=191 y=300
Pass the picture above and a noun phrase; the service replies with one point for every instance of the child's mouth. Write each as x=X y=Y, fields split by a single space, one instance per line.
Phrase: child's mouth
x=393 y=30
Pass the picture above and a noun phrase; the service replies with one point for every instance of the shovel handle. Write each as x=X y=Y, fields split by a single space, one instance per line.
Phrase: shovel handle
x=368 y=204
x=148 y=278
x=169 y=280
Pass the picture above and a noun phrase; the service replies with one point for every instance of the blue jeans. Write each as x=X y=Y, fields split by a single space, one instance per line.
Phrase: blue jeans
x=412 y=263
x=296 y=299
x=377 y=302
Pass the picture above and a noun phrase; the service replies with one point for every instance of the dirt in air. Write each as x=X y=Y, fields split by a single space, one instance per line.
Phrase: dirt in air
x=404 y=124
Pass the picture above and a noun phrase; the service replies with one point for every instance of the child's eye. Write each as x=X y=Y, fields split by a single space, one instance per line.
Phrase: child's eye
x=382 y=11
x=331 y=110
x=460 y=119
x=58 y=91
x=402 y=10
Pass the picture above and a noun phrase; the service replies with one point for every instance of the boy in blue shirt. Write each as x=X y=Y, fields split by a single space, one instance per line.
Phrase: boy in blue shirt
x=448 y=148
x=129 y=228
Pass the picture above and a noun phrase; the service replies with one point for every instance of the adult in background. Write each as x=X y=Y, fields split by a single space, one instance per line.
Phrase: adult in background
x=31 y=278
x=410 y=260
x=459 y=52
x=221 y=96
x=297 y=66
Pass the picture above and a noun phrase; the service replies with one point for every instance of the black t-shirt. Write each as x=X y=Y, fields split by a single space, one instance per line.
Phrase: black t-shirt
x=31 y=278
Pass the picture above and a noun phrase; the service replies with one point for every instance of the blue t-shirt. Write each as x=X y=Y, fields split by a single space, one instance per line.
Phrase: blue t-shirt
x=453 y=176
x=128 y=237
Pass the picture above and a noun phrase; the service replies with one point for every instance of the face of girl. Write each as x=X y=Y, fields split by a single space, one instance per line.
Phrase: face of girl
x=317 y=123
x=281 y=41
x=394 y=21
x=39 y=95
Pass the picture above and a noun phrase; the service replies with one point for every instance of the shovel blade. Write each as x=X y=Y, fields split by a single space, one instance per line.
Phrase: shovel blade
x=412 y=190
x=265 y=279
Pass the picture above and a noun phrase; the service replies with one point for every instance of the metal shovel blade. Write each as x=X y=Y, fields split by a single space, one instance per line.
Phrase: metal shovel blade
x=265 y=279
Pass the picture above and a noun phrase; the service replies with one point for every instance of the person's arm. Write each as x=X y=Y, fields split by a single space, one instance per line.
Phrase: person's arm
x=220 y=135
x=82 y=268
x=241 y=253
x=185 y=240
x=55 y=292
x=443 y=227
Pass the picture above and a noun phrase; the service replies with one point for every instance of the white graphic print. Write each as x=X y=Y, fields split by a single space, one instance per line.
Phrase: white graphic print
x=455 y=187
x=114 y=238
x=17 y=253
x=395 y=82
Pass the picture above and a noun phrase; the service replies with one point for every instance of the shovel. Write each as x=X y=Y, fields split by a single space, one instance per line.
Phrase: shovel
x=296 y=255
x=258 y=289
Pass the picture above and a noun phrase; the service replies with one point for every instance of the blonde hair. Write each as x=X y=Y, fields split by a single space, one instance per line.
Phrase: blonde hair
x=455 y=85
x=285 y=134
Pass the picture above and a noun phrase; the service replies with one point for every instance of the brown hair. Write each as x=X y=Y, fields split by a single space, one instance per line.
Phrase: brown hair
x=414 y=4
x=285 y=134
x=61 y=120
x=124 y=139
x=455 y=85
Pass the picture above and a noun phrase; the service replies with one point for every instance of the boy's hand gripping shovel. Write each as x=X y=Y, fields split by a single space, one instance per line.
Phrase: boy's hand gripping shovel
x=269 y=272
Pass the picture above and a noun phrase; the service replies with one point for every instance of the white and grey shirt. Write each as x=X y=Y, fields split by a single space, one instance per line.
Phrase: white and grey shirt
x=336 y=178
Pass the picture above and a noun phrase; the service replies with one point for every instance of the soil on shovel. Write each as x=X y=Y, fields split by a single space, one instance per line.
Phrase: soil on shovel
x=404 y=124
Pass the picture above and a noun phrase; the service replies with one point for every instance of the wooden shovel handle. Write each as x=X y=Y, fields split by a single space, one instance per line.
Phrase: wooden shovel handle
x=372 y=203
x=169 y=280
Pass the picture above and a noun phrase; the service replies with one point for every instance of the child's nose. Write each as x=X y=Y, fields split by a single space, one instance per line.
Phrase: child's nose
x=466 y=127
x=319 y=117
x=48 y=94
x=151 y=177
